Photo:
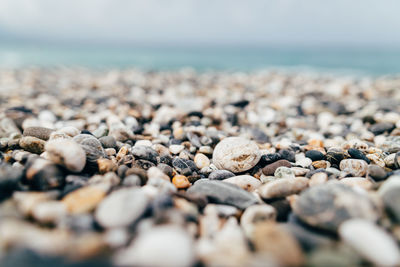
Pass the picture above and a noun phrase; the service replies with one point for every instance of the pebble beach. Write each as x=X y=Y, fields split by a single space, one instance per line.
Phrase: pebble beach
x=182 y=168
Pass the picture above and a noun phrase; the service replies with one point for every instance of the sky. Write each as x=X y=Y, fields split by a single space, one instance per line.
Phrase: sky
x=199 y=22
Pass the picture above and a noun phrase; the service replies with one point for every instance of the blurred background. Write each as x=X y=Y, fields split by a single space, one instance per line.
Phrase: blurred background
x=341 y=36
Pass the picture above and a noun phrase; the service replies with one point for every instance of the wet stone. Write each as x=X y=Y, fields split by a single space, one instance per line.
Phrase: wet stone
x=327 y=205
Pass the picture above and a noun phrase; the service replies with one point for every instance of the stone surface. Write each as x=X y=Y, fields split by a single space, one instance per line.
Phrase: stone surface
x=236 y=154
x=66 y=153
x=283 y=187
x=201 y=161
x=181 y=181
x=328 y=205
x=355 y=167
x=32 y=144
x=84 y=199
x=314 y=155
x=371 y=241
x=284 y=172
x=220 y=175
x=223 y=193
x=270 y=169
x=92 y=147
x=246 y=182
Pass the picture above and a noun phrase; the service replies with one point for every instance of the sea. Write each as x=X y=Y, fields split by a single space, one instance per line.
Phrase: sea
x=354 y=61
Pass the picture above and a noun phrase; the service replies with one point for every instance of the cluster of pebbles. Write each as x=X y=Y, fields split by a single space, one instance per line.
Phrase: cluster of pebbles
x=132 y=168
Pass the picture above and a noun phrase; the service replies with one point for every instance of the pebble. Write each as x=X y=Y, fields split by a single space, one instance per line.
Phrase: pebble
x=176 y=149
x=106 y=165
x=144 y=152
x=321 y=164
x=220 y=175
x=201 y=161
x=108 y=142
x=357 y=154
x=42 y=174
x=181 y=181
x=121 y=208
x=314 y=155
x=390 y=193
x=318 y=178
x=236 y=154
x=328 y=205
x=355 y=167
x=246 y=182
x=283 y=187
x=184 y=166
x=223 y=193
x=166 y=245
x=284 y=172
x=9 y=179
x=66 y=153
x=32 y=144
x=270 y=169
x=256 y=214
x=376 y=172
x=371 y=241
x=84 y=199
x=358 y=182
x=49 y=212
x=38 y=132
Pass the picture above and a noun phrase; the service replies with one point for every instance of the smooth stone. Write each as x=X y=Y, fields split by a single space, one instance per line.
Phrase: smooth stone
x=42 y=174
x=176 y=149
x=38 y=132
x=69 y=130
x=201 y=161
x=32 y=144
x=314 y=155
x=220 y=175
x=321 y=164
x=181 y=181
x=121 y=208
x=362 y=182
x=283 y=187
x=49 y=211
x=256 y=214
x=390 y=193
x=371 y=241
x=355 y=167
x=92 y=147
x=84 y=199
x=246 y=182
x=391 y=144
x=376 y=172
x=184 y=166
x=335 y=155
x=144 y=152
x=327 y=205
x=318 y=178
x=165 y=245
x=270 y=169
x=108 y=142
x=397 y=160
x=223 y=193
x=9 y=179
x=236 y=154
x=381 y=127
x=357 y=154
x=66 y=153
x=287 y=154
x=284 y=172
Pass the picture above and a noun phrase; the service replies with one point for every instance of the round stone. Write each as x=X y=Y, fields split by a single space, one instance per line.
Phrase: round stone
x=92 y=146
x=32 y=144
x=270 y=169
x=236 y=154
x=327 y=205
x=355 y=167
x=284 y=172
x=246 y=182
x=357 y=154
x=283 y=187
x=201 y=160
x=38 y=132
x=376 y=172
x=314 y=155
x=67 y=153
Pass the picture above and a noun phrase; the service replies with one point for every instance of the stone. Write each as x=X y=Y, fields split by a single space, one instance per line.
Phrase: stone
x=84 y=199
x=32 y=144
x=381 y=127
x=66 y=153
x=246 y=182
x=223 y=193
x=270 y=169
x=236 y=154
x=390 y=194
x=121 y=208
x=391 y=144
x=335 y=155
x=184 y=166
x=201 y=161
x=362 y=182
x=283 y=187
x=371 y=241
x=172 y=246
x=9 y=179
x=321 y=164
x=92 y=147
x=284 y=172
x=49 y=212
x=314 y=155
x=106 y=165
x=304 y=162
x=108 y=141
x=144 y=152
x=355 y=167
x=181 y=181
x=220 y=175
x=176 y=149
x=38 y=132
x=43 y=175
x=256 y=214
x=328 y=205
x=271 y=239
x=357 y=154
x=376 y=172
x=318 y=178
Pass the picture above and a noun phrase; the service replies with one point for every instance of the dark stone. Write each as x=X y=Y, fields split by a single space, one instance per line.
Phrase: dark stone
x=282 y=207
x=357 y=154
x=43 y=175
x=269 y=158
x=184 y=166
x=240 y=103
x=166 y=160
x=220 y=175
x=376 y=172
x=335 y=156
x=86 y=132
x=381 y=127
x=93 y=148
x=9 y=179
x=223 y=193
x=287 y=154
x=108 y=141
x=269 y=170
x=194 y=139
x=143 y=164
x=145 y=152
x=166 y=169
x=38 y=132
x=314 y=155
x=259 y=136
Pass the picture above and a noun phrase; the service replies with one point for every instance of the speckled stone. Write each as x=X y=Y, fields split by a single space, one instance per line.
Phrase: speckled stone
x=355 y=167
x=67 y=153
x=283 y=187
x=184 y=166
x=236 y=154
x=92 y=147
x=38 y=132
x=144 y=152
x=284 y=172
x=220 y=175
x=32 y=144
x=327 y=205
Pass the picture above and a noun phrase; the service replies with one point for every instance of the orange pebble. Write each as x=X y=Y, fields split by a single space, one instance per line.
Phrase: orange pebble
x=181 y=181
x=316 y=143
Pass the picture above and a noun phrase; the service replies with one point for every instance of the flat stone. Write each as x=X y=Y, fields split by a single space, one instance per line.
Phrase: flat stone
x=84 y=199
x=32 y=144
x=371 y=241
x=223 y=193
x=355 y=167
x=236 y=154
x=121 y=208
x=144 y=152
x=66 y=153
x=327 y=205
x=284 y=172
x=220 y=175
x=283 y=187
x=270 y=169
x=38 y=132
x=246 y=182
